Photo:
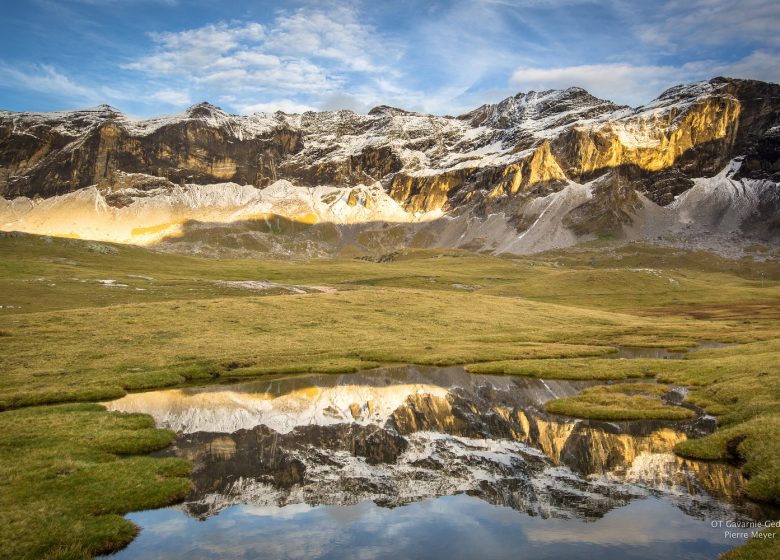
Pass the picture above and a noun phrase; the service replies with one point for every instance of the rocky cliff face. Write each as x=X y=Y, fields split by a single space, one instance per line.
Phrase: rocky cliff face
x=508 y=168
x=46 y=155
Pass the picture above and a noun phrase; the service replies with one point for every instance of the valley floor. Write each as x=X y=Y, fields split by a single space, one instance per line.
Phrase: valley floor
x=82 y=322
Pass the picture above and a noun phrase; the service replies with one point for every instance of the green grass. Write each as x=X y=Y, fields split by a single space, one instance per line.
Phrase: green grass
x=69 y=472
x=53 y=356
x=65 y=337
x=624 y=401
x=755 y=442
x=577 y=369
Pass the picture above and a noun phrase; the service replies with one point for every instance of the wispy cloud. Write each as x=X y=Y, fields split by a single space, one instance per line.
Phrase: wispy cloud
x=307 y=53
x=48 y=80
x=638 y=84
x=198 y=50
x=337 y=35
x=45 y=79
x=759 y=65
x=173 y=97
x=109 y=2
x=286 y=105
x=446 y=56
x=631 y=84
x=334 y=58
x=703 y=23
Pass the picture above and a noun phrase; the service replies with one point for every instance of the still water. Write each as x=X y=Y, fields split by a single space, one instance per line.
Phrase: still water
x=418 y=462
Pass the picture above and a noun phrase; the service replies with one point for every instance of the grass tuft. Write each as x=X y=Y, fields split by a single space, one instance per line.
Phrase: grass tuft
x=624 y=401
x=594 y=369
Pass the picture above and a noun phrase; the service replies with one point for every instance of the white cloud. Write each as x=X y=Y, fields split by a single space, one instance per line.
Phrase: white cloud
x=638 y=84
x=285 y=105
x=196 y=50
x=247 y=58
x=304 y=55
x=297 y=61
x=337 y=35
x=759 y=65
x=45 y=79
x=173 y=97
x=341 y=100
x=624 y=83
x=713 y=22
x=49 y=80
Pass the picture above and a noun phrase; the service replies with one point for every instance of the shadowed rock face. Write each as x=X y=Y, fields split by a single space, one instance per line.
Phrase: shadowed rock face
x=400 y=435
x=516 y=160
x=198 y=148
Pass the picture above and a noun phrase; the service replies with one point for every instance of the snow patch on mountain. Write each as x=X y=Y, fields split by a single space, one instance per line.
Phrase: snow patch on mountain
x=155 y=214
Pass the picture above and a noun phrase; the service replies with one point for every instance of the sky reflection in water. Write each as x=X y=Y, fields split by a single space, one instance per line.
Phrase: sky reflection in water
x=447 y=528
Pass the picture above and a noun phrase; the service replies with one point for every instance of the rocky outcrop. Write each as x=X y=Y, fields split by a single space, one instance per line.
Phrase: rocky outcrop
x=655 y=139
x=367 y=166
x=423 y=193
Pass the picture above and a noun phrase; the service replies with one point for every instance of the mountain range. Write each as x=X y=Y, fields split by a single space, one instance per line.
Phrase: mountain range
x=699 y=166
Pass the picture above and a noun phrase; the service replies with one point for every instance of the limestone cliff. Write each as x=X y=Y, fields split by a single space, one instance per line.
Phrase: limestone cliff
x=42 y=155
x=598 y=168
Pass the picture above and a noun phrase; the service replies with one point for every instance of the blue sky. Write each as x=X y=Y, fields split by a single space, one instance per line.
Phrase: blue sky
x=150 y=57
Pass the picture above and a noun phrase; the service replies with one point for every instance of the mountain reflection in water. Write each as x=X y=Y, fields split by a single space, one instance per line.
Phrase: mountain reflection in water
x=398 y=436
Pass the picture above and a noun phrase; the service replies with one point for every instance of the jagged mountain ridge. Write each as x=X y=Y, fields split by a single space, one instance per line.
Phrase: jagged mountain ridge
x=536 y=170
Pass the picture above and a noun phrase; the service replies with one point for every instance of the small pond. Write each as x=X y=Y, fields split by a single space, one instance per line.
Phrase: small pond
x=421 y=462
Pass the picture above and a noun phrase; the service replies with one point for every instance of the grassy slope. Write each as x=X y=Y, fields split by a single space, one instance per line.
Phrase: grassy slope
x=68 y=338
